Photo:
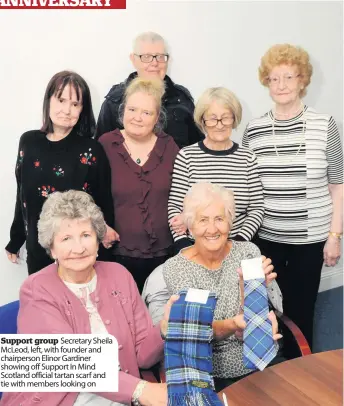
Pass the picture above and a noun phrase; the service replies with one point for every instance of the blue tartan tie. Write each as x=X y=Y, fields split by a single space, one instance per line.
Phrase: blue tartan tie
x=259 y=346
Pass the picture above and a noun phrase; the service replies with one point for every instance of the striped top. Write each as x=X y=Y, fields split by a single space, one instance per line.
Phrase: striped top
x=235 y=168
x=296 y=165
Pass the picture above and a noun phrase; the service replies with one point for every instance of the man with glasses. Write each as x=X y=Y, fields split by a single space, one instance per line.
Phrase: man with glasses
x=150 y=60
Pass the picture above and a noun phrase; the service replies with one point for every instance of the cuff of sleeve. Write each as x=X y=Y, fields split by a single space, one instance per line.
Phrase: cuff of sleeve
x=239 y=238
x=13 y=247
x=126 y=387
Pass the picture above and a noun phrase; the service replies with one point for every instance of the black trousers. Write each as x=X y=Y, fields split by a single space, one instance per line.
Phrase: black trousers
x=35 y=264
x=298 y=270
x=140 y=268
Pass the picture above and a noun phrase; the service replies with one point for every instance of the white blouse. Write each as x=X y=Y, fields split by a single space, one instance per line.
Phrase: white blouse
x=83 y=291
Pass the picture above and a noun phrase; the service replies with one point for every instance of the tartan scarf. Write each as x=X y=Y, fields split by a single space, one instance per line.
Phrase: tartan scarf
x=188 y=353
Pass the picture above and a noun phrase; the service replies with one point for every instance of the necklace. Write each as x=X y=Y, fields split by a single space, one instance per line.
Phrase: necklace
x=294 y=113
x=137 y=160
x=302 y=134
x=90 y=276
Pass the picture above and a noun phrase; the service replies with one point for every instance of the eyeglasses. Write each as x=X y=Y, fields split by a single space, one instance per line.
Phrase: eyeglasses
x=147 y=58
x=225 y=121
x=288 y=79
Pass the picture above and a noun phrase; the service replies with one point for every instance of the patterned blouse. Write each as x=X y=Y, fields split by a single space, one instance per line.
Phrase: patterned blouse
x=43 y=167
x=179 y=272
x=83 y=291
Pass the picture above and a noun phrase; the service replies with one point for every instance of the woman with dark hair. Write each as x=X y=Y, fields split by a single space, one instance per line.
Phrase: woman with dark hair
x=141 y=157
x=60 y=156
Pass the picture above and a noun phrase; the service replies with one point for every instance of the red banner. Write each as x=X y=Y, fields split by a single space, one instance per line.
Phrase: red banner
x=63 y=4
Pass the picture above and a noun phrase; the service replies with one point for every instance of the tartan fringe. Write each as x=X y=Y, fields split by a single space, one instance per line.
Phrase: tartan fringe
x=208 y=398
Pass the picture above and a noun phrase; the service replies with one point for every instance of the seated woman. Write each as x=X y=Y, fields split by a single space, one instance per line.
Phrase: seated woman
x=77 y=295
x=218 y=160
x=212 y=263
x=141 y=157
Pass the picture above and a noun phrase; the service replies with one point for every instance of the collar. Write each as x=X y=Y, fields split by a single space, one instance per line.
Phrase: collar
x=229 y=151
x=157 y=152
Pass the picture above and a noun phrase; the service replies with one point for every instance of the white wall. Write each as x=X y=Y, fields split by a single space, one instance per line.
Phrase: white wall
x=212 y=43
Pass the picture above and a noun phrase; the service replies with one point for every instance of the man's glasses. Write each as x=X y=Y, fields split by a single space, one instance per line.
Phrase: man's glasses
x=288 y=79
x=147 y=58
x=225 y=121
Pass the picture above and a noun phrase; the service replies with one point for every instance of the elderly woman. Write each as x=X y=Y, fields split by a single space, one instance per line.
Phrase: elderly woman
x=150 y=58
x=218 y=160
x=76 y=296
x=60 y=156
x=212 y=264
x=141 y=156
x=300 y=162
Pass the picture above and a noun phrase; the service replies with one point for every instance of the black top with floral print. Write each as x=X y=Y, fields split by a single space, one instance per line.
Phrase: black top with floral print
x=43 y=167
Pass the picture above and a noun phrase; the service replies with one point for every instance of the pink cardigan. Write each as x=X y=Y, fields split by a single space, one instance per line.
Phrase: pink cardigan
x=47 y=306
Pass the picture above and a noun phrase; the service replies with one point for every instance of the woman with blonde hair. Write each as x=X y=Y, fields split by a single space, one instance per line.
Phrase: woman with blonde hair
x=300 y=162
x=218 y=160
x=141 y=157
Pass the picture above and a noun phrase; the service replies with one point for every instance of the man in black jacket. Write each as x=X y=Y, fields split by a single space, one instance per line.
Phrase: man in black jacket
x=150 y=60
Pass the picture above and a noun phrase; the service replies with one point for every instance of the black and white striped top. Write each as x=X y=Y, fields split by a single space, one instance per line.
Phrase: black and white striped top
x=298 y=205
x=235 y=169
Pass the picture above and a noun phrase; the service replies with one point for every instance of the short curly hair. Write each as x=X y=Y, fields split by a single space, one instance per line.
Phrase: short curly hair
x=201 y=195
x=72 y=205
x=287 y=54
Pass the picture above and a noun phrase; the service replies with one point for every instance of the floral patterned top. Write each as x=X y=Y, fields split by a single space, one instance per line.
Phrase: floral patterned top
x=45 y=166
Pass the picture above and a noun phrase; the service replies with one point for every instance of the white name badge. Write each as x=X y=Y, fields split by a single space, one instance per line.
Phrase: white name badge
x=252 y=268
x=197 y=295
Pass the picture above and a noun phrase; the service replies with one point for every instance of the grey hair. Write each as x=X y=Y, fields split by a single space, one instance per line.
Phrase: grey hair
x=72 y=205
x=148 y=36
x=201 y=195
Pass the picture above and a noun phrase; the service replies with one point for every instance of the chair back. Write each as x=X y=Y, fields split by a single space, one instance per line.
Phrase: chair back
x=8 y=319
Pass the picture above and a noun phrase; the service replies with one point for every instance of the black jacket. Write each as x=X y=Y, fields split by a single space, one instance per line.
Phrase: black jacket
x=177 y=102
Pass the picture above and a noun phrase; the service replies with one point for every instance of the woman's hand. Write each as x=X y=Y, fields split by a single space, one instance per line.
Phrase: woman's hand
x=14 y=258
x=332 y=251
x=177 y=224
x=164 y=321
x=154 y=394
x=223 y=329
x=275 y=335
x=267 y=268
x=110 y=237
